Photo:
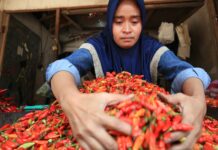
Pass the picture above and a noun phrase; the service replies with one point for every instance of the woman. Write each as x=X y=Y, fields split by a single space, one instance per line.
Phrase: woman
x=122 y=46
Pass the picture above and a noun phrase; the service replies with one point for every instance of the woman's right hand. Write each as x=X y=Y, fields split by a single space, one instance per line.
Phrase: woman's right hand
x=89 y=121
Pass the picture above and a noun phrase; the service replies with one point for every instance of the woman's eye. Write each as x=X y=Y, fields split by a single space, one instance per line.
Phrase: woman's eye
x=135 y=21
x=118 y=22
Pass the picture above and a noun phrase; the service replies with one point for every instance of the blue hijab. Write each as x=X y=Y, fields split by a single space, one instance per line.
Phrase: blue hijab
x=135 y=60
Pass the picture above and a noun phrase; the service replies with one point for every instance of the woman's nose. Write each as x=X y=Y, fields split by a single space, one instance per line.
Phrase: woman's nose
x=127 y=28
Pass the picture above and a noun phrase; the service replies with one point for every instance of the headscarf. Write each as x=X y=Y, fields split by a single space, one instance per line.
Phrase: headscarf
x=136 y=59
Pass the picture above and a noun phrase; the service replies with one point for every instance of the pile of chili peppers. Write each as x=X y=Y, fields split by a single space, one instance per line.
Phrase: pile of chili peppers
x=211 y=99
x=212 y=102
x=209 y=136
x=6 y=104
x=152 y=120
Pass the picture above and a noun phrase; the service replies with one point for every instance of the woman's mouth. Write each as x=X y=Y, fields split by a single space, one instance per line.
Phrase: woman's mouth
x=127 y=39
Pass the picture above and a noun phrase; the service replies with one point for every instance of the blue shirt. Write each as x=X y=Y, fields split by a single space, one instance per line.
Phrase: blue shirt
x=173 y=69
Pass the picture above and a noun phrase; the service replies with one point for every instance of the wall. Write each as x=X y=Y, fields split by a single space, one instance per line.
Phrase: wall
x=204 y=49
x=45 y=52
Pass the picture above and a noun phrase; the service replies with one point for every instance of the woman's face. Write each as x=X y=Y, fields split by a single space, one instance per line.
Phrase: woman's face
x=127 y=24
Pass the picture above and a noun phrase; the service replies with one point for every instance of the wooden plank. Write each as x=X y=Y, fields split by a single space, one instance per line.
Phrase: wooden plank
x=1 y=15
x=40 y=5
x=174 y=5
x=77 y=26
x=83 y=11
x=148 y=7
x=214 y=23
x=3 y=36
x=57 y=23
x=187 y=15
x=57 y=28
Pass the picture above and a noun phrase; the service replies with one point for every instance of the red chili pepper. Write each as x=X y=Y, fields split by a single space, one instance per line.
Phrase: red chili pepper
x=3 y=91
x=23 y=135
x=120 y=143
x=41 y=142
x=11 y=135
x=27 y=116
x=108 y=74
x=215 y=130
x=161 y=120
x=128 y=142
x=208 y=146
x=62 y=143
x=2 y=139
x=43 y=115
x=9 y=131
x=152 y=141
x=20 y=141
x=167 y=125
x=215 y=138
x=136 y=130
x=166 y=136
x=43 y=147
x=138 y=142
x=4 y=127
x=177 y=119
x=8 y=98
x=115 y=133
x=161 y=145
x=148 y=106
x=205 y=138
x=6 y=147
x=182 y=127
x=52 y=135
x=11 y=144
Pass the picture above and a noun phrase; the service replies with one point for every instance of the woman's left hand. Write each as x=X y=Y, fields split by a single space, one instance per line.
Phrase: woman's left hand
x=193 y=110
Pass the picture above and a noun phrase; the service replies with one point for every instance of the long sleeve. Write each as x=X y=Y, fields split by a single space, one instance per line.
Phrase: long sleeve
x=78 y=64
x=178 y=71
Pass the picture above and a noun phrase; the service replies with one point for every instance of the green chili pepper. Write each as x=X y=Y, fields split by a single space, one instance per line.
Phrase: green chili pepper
x=27 y=145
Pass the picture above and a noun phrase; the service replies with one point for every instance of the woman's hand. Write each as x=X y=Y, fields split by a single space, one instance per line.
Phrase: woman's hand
x=86 y=114
x=193 y=111
x=89 y=121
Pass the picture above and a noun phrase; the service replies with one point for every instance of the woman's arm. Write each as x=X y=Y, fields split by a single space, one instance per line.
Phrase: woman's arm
x=189 y=84
x=85 y=112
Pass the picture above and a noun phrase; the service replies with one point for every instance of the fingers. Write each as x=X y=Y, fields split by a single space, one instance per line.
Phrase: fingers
x=190 y=139
x=116 y=98
x=189 y=142
x=168 y=98
x=89 y=139
x=116 y=124
x=83 y=144
x=99 y=140
x=176 y=136
x=107 y=141
x=93 y=143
